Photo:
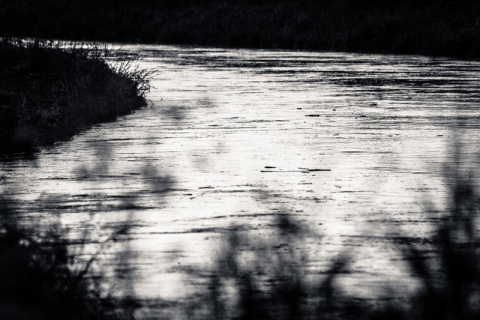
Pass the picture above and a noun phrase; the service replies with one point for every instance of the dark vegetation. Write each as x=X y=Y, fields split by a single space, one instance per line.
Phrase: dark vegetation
x=431 y=27
x=49 y=93
x=270 y=278
x=41 y=278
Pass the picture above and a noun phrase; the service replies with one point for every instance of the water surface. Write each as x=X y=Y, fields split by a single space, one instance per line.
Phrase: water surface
x=351 y=145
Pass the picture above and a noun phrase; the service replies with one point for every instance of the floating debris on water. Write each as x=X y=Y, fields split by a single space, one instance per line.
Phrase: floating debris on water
x=285 y=171
x=314 y=170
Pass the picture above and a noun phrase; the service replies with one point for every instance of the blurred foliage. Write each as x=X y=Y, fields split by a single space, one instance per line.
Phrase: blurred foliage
x=40 y=277
x=255 y=276
x=270 y=277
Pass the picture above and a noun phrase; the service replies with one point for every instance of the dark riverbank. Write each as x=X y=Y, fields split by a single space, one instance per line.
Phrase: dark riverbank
x=444 y=28
x=48 y=93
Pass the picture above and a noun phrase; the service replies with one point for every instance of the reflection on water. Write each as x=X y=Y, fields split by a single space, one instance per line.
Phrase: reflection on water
x=351 y=146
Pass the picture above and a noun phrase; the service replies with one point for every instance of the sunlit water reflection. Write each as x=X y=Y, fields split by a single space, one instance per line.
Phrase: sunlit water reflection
x=351 y=145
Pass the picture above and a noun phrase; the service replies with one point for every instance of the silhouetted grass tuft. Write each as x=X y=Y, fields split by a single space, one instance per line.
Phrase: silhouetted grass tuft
x=49 y=93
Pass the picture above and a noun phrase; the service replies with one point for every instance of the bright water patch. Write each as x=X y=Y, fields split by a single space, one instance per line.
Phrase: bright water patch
x=352 y=146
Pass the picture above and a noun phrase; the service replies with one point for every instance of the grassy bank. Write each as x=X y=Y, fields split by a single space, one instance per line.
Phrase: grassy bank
x=431 y=27
x=48 y=93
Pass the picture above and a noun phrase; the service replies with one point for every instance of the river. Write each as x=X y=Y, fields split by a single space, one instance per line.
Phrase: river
x=352 y=146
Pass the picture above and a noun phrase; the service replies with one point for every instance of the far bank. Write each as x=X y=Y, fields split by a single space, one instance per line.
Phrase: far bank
x=427 y=27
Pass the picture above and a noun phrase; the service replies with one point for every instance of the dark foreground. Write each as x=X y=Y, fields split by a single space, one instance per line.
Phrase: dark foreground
x=41 y=279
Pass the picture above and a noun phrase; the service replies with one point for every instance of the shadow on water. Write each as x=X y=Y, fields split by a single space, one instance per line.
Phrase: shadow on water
x=254 y=276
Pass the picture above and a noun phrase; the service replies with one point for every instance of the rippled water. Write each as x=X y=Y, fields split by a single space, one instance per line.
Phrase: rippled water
x=351 y=145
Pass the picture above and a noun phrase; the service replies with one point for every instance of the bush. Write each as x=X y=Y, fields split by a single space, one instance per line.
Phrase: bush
x=49 y=93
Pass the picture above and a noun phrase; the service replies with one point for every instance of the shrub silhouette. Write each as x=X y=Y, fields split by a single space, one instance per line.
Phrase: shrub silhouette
x=49 y=93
